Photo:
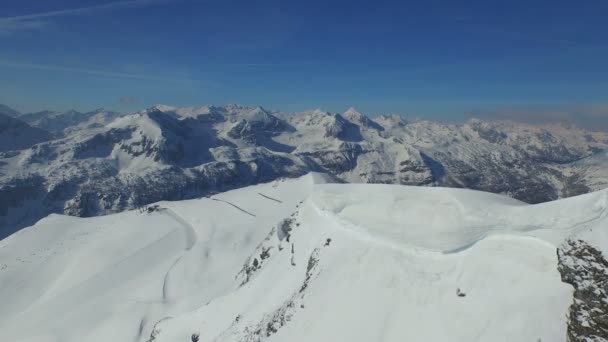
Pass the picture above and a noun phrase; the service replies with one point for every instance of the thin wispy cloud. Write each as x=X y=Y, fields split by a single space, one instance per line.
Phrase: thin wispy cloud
x=94 y=72
x=531 y=37
x=9 y=25
x=272 y=65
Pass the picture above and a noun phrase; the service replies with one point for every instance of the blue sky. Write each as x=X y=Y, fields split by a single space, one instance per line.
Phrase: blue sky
x=441 y=59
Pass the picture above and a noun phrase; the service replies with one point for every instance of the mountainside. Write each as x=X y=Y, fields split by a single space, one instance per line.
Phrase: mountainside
x=58 y=122
x=16 y=134
x=8 y=111
x=104 y=162
x=301 y=260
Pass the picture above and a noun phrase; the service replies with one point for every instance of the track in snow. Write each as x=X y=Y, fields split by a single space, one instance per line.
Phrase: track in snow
x=270 y=198
x=190 y=240
x=234 y=205
x=189 y=232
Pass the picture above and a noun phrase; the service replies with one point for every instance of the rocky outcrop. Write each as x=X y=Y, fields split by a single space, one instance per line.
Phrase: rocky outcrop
x=586 y=269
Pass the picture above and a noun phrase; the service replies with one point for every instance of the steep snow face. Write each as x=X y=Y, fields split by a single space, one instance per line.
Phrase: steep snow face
x=359 y=118
x=299 y=260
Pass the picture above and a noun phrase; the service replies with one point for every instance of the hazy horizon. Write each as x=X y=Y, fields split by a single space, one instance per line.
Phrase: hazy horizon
x=438 y=60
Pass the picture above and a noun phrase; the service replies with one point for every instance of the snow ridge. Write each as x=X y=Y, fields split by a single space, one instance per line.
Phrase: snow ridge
x=313 y=261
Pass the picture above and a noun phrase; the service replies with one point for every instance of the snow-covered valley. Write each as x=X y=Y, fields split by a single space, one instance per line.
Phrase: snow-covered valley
x=303 y=260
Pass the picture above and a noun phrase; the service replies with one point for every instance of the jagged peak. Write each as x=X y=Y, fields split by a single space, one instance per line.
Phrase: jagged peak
x=353 y=112
x=319 y=111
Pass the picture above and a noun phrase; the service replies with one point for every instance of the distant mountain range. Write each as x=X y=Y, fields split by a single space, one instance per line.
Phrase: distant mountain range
x=87 y=164
x=58 y=122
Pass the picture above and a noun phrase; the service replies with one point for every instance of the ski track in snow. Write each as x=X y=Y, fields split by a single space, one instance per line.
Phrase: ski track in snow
x=188 y=229
x=234 y=205
x=189 y=238
x=270 y=198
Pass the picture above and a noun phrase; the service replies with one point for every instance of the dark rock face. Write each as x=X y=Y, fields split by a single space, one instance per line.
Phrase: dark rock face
x=524 y=181
x=489 y=134
x=19 y=193
x=19 y=190
x=100 y=145
x=341 y=160
x=586 y=269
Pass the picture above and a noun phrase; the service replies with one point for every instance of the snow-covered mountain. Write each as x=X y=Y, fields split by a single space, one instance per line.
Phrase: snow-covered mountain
x=102 y=162
x=303 y=260
x=58 y=122
x=6 y=110
x=16 y=134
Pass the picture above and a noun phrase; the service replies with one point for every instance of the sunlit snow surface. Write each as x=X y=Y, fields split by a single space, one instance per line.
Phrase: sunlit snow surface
x=298 y=260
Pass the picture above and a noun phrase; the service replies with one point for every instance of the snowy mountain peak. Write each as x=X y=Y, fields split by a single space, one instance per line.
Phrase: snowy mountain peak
x=392 y=120
x=257 y=114
x=319 y=112
x=352 y=112
x=186 y=112
x=360 y=119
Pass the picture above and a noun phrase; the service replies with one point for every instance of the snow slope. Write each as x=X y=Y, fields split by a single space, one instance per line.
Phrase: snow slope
x=300 y=260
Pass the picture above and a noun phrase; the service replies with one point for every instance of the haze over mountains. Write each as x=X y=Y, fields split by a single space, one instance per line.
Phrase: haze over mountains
x=87 y=164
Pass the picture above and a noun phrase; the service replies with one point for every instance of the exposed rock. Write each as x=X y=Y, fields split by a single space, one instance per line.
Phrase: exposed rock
x=586 y=269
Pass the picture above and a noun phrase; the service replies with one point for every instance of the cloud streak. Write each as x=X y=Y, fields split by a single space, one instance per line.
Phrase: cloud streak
x=93 y=72
x=29 y=22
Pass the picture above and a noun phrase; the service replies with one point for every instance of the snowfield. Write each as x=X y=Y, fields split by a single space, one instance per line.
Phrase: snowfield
x=301 y=260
